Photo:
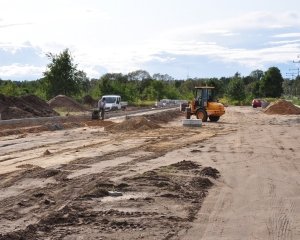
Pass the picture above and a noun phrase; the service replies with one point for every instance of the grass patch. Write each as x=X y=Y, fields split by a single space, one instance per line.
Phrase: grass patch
x=167 y=169
x=142 y=103
x=64 y=112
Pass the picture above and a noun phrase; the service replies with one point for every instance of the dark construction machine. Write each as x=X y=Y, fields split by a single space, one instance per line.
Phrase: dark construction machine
x=204 y=105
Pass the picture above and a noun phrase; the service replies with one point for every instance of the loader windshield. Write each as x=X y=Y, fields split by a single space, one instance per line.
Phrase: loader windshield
x=204 y=95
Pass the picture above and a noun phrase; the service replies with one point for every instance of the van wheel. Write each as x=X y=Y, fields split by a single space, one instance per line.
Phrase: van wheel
x=201 y=114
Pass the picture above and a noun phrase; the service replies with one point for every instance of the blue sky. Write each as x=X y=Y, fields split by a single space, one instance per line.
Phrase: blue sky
x=195 y=38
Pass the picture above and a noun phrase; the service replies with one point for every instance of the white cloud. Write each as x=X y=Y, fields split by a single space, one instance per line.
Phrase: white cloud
x=215 y=31
x=13 y=25
x=287 y=35
x=279 y=26
x=21 y=70
x=282 y=42
x=232 y=26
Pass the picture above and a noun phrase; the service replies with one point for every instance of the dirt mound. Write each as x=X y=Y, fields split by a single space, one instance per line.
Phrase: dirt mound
x=163 y=117
x=88 y=100
x=27 y=106
x=210 y=172
x=67 y=103
x=282 y=107
x=186 y=165
x=137 y=123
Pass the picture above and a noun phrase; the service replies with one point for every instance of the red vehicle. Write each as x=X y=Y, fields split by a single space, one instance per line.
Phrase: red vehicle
x=256 y=103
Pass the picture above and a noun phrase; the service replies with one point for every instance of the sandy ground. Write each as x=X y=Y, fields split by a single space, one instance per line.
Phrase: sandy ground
x=234 y=179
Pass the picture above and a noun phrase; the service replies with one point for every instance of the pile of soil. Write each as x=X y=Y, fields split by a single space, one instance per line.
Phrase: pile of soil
x=164 y=117
x=133 y=124
x=66 y=103
x=27 y=106
x=282 y=107
x=88 y=100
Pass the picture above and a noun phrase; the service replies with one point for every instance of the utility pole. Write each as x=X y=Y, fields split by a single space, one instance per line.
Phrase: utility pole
x=292 y=74
x=296 y=70
x=290 y=82
x=297 y=61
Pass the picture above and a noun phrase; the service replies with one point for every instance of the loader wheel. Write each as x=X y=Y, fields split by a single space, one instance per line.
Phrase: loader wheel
x=214 y=118
x=201 y=114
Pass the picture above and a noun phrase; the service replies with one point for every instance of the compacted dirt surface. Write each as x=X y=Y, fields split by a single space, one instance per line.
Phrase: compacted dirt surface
x=149 y=177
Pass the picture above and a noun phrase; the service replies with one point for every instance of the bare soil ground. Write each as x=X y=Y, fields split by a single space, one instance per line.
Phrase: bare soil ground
x=234 y=179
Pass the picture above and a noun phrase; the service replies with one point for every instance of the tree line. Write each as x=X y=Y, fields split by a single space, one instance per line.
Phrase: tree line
x=62 y=76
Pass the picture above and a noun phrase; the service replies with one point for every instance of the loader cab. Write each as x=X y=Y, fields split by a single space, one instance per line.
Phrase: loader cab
x=203 y=95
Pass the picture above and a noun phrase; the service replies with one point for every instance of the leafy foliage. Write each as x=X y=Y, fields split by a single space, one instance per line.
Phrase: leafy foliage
x=271 y=83
x=10 y=89
x=157 y=90
x=236 y=89
x=257 y=75
x=62 y=76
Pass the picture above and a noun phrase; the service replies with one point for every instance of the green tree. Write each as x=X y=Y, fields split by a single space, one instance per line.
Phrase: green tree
x=257 y=74
x=164 y=77
x=155 y=91
x=10 y=89
x=177 y=83
x=218 y=84
x=236 y=89
x=256 y=89
x=286 y=85
x=117 y=77
x=139 y=75
x=296 y=86
x=172 y=93
x=86 y=84
x=106 y=86
x=271 y=83
x=62 y=76
x=131 y=92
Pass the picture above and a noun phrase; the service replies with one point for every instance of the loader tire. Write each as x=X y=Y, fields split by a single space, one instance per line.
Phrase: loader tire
x=201 y=114
x=214 y=118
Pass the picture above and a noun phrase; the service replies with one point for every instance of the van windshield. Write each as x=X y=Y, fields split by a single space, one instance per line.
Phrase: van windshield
x=110 y=99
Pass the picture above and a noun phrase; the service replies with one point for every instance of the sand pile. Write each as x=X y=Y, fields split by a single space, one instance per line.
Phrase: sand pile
x=88 y=100
x=164 y=117
x=27 y=106
x=282 y=107
x=66 y=103
x=133 y=124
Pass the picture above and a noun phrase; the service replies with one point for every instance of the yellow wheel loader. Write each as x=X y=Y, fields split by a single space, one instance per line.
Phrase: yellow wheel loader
x=204 y=105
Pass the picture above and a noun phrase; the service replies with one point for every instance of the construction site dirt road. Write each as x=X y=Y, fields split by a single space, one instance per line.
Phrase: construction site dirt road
x=237 y=178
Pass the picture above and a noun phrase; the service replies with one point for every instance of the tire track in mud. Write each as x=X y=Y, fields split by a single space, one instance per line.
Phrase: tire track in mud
x=264 y=170
x=230 y=154
x=162 y=139
x=217 y=222
x=282 y=219
x=275 y=216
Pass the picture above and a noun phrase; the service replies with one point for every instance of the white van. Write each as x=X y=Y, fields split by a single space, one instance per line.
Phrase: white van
x=113 y=103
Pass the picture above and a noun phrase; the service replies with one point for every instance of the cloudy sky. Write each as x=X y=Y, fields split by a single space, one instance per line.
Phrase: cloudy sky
x=195 y=38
